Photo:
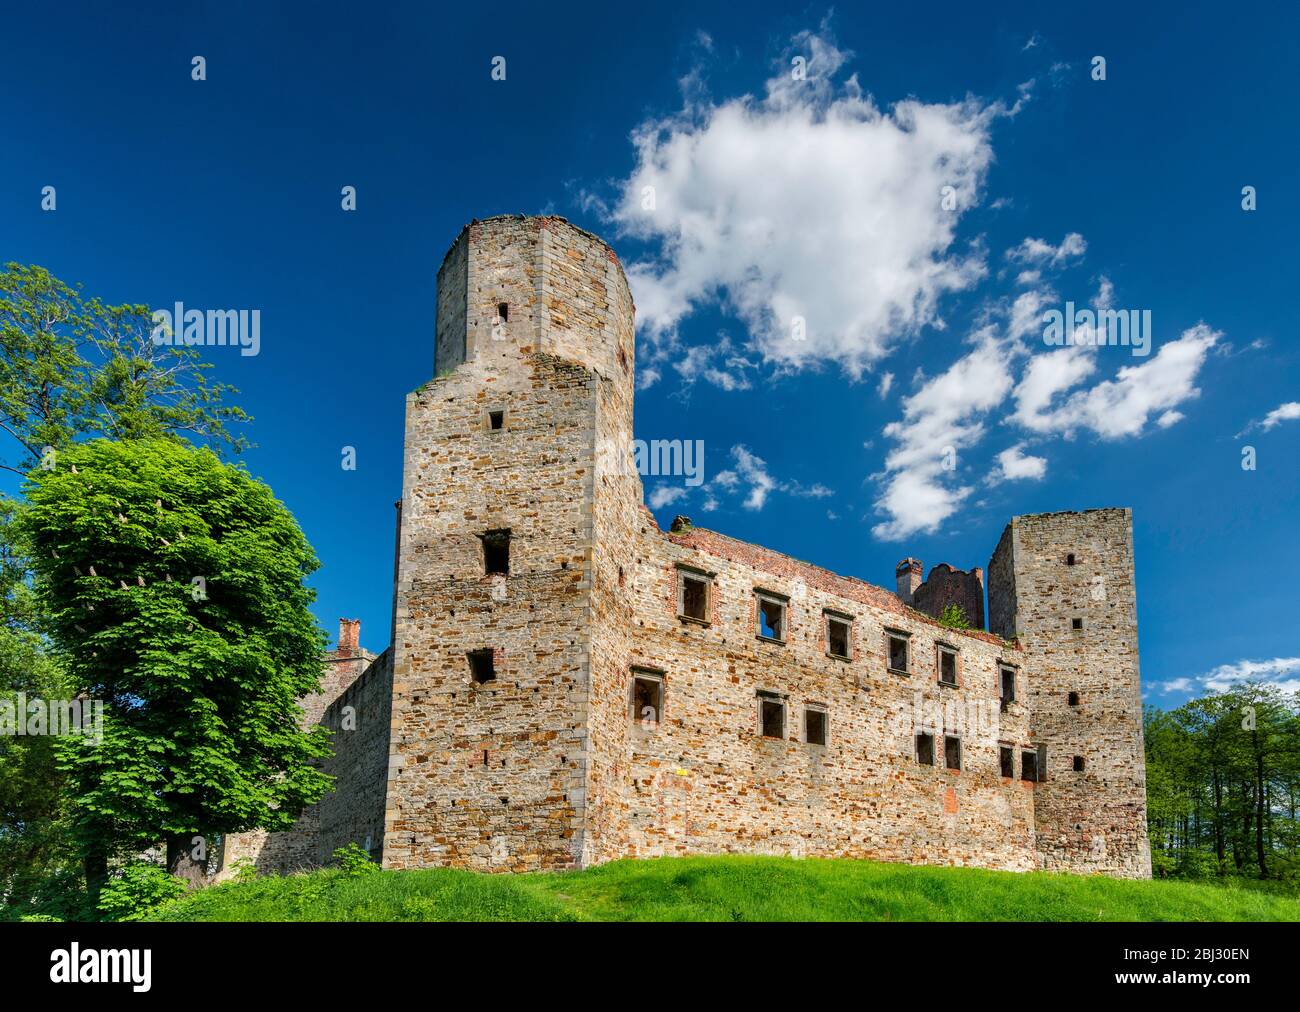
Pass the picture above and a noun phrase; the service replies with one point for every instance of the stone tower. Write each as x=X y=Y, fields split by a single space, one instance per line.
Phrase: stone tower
x=1062 y=584
x=509 y=554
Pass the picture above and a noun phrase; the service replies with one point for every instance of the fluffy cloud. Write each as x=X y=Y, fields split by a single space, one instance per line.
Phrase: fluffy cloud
x=1013 y=464
x=666 y=495
x=1040 y=253
x=941 y=419
x=1281 y=672
x=1123 y=406
x=1282 y=413
x=810 y=202
x=922 y=484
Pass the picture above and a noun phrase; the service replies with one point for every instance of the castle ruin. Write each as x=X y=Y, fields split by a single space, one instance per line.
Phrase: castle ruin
x=568 y=684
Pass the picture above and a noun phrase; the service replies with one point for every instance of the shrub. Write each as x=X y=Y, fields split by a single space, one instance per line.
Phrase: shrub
x=954 y=617
x=136 y=889
x=353 y=861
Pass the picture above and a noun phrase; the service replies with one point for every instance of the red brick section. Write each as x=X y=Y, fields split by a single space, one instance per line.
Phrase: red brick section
x=947 y=586
x=349 y=637
x=779 y=564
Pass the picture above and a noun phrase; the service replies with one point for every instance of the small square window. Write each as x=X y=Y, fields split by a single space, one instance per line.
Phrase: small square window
x=898 y=653
x=647 y=698
x=496 y=552
x=947 y=666
x=1008 y=676
x=771 y=717
x=693 y=597
x=503 y=312
x=925 y=749
x=814 y=725
x=1078 y=764
x=952 y=752
x=496 y=419
x=1029 y=766
x=1069 y=559
x=1007 y=761
x=837 y=637
x=1073 y=699
x=771 y=618
x=482 y=666
x=1076 y=623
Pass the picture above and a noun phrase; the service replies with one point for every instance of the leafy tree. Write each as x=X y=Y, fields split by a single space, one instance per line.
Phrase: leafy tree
x=72 y=366
x=34 y=844
x=174 y=587
x=1223 y=785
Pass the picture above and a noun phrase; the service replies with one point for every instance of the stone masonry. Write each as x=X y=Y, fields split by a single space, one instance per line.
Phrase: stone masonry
x=568 y=684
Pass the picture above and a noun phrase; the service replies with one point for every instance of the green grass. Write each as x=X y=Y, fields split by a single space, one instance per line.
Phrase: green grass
x=726 y=889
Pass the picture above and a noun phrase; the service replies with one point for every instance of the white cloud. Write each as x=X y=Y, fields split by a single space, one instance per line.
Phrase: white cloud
x=1282 y=673
x=810 y=201
x=886 y=384
x=1122 y=406
x=1282 y=413
x=946 y=416
x=1039 y=252
x=666 y=495
x=939 y=420
x=753 y=472
x=719 y=364
x=1014 y=464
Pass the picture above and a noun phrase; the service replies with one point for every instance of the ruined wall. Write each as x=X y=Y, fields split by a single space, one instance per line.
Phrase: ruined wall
x=705 y=780
x=1094 y=819
x=450 y=325
x=300 y=848
x=360 y=720
x=946 y=586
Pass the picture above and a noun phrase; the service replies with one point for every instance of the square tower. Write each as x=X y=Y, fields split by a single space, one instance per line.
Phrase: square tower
x=1062 y=584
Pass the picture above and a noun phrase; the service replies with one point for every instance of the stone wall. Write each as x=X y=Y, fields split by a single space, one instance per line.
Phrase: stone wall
x=946 y=586
x=300 y=848
x=703 y=779
x=1051 y=573
x=360 y=719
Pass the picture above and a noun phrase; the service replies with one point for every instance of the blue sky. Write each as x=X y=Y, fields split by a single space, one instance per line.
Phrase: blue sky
x=775 y=198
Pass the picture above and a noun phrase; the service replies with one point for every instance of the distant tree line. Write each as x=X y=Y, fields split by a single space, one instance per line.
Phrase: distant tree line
x=1223 y=784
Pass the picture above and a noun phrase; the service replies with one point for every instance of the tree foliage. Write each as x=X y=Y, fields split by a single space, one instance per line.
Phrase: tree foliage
x=72 y=367
x=1223 y=785
x=173 y=586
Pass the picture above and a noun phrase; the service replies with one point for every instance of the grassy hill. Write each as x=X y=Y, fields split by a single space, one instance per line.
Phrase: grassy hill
x=726 y=889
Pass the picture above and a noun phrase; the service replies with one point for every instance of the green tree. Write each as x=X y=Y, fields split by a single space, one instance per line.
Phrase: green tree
x=174 y=587
x=72 y=366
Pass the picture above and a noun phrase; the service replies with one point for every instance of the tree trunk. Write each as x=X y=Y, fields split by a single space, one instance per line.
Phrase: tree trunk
x=187 y=860
x=95 y=864
x=1218 y=823
x=1260 y=806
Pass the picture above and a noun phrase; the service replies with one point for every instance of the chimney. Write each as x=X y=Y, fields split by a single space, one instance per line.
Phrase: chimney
x=349 y=637
x=908 y=573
